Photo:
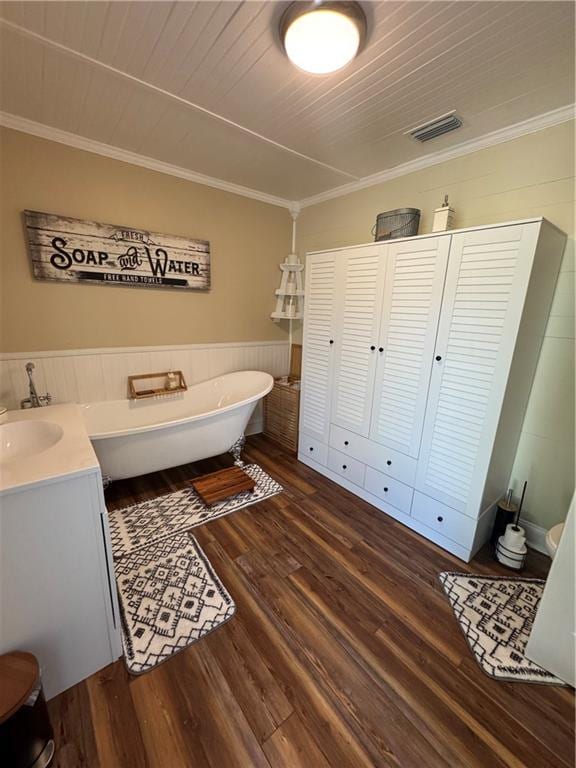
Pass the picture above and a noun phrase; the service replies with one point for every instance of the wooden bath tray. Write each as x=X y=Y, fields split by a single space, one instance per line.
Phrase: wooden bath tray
x=223 y=484
x=153 y=391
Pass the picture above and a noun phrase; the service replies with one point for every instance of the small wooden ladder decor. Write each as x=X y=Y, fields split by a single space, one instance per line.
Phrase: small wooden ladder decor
x=222 y=484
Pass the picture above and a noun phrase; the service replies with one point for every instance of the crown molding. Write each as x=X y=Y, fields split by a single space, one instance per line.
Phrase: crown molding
x=126 y=156
x=515 y=131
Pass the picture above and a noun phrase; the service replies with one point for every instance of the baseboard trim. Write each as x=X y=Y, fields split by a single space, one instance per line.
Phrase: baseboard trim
x=535 y=536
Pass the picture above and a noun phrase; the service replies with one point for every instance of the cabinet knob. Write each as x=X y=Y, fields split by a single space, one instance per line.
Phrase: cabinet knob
x=439 y=518
x=372 y=347
x=385 y=490
x=344 y=466
x=331 y=341
x=389 y=463
x=346 y=442
x=310 y=449
x=438 y=358
x=380 y=349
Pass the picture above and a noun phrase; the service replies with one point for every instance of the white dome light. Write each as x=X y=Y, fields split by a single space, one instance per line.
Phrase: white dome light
x=323 y=39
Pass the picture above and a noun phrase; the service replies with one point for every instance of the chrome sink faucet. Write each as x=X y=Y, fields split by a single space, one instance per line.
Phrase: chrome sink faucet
x=34 y=400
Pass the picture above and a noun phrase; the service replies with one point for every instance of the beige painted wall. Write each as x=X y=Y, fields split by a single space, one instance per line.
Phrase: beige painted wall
x=248 y=240
x=530 y=176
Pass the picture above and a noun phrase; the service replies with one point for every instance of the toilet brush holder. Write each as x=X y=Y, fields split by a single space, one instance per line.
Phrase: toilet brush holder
x=505 y=514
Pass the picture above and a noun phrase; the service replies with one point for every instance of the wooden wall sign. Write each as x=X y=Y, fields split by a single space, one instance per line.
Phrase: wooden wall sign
x=77 y=251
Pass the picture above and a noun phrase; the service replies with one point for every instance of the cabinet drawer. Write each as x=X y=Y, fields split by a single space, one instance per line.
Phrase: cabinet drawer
x=309 y=447
x=443 y=519
x=346 y=466
x=393 y=463
x=389 y=489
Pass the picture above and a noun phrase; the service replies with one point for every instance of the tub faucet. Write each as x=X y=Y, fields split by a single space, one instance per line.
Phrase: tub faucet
x=34 y=400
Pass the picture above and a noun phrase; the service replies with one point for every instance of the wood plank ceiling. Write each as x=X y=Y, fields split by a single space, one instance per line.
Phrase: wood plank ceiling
x=205 y=85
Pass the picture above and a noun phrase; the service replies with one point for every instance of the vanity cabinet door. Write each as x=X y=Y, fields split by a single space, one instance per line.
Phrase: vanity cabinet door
x=54 y=591
x=319 y=338
x=363 y=273
x=416 y=270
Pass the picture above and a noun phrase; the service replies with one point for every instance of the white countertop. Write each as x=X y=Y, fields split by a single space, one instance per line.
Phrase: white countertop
x=72 y=454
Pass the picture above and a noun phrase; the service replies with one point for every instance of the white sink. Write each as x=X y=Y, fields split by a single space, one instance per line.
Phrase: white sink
x=40 y=444
x=21 y=439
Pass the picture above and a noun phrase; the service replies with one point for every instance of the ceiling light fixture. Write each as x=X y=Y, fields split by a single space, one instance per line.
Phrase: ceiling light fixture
x=322 y=37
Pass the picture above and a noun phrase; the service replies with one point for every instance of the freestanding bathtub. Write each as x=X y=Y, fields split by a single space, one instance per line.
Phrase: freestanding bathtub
x=133 y=437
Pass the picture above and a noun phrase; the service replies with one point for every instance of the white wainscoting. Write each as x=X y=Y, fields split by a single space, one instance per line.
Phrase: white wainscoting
x=90 y=375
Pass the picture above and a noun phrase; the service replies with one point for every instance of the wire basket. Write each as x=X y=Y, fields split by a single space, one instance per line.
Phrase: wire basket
x=510 y=558
x=403 y=222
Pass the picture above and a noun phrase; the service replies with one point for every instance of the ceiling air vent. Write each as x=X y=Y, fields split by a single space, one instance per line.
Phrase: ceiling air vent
x=436 y=127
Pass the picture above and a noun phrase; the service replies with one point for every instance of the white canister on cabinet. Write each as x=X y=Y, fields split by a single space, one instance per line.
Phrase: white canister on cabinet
x=443 y=217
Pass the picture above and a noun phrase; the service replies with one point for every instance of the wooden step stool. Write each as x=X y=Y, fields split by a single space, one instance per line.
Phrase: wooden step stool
x=223 y=484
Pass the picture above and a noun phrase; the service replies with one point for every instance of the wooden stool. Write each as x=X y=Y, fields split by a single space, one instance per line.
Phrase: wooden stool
x=26 y=736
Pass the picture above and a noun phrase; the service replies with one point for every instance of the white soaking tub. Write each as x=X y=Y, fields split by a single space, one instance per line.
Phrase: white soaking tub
x=134 y=437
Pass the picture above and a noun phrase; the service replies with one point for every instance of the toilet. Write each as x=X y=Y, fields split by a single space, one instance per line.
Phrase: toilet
x=553 y=539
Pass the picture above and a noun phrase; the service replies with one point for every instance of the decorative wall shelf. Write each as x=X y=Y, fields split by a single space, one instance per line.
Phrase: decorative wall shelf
x=291 y=292
x=158 y=384
x=284 y=316
x=290 y=295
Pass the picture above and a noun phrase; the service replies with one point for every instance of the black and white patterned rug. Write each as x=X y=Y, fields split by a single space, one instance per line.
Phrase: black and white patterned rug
x=170 y=597
x=496 y=616
x=142 y=524
x=169 y=594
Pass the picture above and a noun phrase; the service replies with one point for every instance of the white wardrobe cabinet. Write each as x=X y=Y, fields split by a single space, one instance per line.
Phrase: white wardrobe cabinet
x=418 y=359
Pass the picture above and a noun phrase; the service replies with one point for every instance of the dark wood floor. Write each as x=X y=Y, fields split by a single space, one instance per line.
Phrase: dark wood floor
x=343 y=653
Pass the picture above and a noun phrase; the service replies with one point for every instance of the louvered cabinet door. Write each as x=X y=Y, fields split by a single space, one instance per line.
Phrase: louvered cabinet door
x=318 y=344
x=486 y=284
x=411 y=307
x=363 y=272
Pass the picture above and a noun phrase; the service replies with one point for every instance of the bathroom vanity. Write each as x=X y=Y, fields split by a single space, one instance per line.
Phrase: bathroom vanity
x=57 y=590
